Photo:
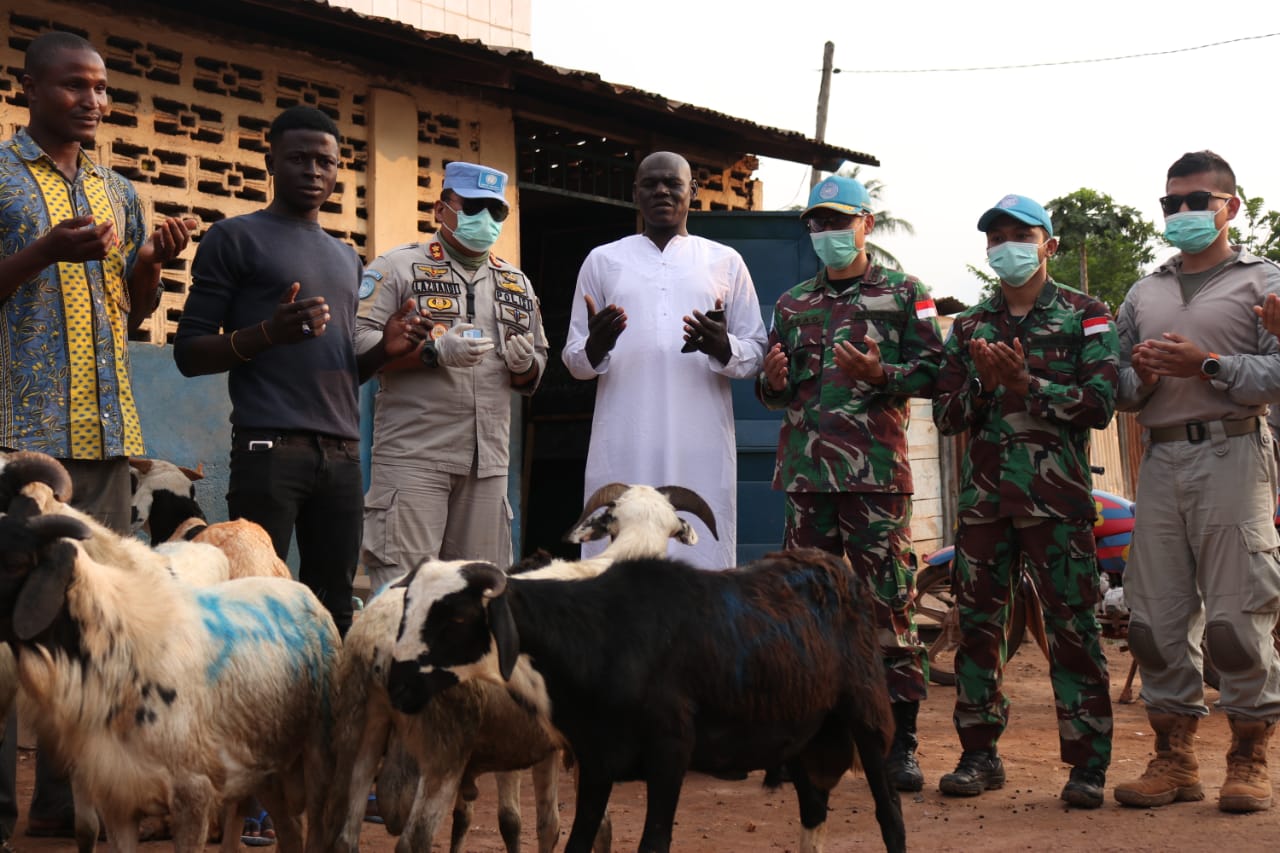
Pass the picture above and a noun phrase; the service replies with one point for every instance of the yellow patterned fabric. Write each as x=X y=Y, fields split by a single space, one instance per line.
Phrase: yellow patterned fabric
x=65 y=386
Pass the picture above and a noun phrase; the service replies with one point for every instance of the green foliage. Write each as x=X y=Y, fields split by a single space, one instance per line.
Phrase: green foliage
x=990 y=283
x=1261 y=234
x=1114 y=241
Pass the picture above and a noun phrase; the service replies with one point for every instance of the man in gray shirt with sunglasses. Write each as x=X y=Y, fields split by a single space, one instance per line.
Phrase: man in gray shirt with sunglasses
x=1199 y=368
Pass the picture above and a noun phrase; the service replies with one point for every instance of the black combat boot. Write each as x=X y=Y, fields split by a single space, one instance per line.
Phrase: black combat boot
x=904 y=773
x=979 y=770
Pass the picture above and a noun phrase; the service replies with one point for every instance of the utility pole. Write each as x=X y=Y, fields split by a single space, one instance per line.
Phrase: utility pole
x=824 y=93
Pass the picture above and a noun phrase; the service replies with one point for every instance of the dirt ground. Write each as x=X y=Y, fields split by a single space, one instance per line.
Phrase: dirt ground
x=1025 y=815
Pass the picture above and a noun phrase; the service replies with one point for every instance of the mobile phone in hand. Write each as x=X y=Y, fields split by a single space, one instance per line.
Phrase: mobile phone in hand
x=716 y=314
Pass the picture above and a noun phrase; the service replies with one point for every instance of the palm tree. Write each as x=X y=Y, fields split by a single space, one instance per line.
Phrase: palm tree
x=886 y=222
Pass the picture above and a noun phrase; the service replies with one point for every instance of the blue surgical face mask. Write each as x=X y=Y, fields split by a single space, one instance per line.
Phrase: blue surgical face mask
x=477 y=232
x=1015 y=263
x=1192 y=230
x=836 y=249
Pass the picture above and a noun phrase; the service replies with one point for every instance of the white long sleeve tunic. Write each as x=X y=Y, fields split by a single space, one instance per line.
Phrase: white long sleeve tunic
x=663 y=417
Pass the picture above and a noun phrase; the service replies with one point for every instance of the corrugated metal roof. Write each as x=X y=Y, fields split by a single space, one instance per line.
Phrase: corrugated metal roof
x=527 y=82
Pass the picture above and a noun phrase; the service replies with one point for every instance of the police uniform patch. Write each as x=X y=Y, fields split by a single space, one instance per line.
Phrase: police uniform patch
x=428 y=271
x=368 y=283
x=513 y=316
x=441 y=303
x=512 y=283
x=435 y=252
x=517 y=300
x=438 y=331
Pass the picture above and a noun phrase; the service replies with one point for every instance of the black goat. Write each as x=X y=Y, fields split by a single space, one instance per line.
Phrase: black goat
x=655 y=668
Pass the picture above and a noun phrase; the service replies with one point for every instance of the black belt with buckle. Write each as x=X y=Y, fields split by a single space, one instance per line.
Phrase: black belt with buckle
x=265 y=439
x=1197 y=431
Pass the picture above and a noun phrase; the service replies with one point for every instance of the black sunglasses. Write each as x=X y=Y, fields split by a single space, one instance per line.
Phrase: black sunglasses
x=472 y=207
x=1198 y=200
x=836 y=222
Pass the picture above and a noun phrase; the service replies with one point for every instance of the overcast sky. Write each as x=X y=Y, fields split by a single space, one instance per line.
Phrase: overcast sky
x=951 y=144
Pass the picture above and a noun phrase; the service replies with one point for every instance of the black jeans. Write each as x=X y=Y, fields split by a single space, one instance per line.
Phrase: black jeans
x=310 y=485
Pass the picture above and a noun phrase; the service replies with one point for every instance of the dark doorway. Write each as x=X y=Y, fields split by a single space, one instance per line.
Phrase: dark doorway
x=557 y=231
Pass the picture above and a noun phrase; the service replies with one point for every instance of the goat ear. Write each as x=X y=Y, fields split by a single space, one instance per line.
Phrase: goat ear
x=44 y=591
x=687 y=535
x=504 y=634
x=591 y=529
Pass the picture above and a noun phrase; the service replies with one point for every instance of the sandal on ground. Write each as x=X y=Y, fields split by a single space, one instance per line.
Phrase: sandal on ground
x=258 y=831
x=371 y=810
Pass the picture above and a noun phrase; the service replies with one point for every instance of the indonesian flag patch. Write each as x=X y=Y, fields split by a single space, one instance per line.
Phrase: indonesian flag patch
x=926 y=309
x=1096 y=325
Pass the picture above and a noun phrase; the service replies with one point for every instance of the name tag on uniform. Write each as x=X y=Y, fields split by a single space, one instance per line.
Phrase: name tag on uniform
x=441 y=288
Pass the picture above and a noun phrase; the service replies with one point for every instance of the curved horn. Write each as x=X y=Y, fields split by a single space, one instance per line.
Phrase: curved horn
x=690 y=501
x=27 y=466
x=603 y=496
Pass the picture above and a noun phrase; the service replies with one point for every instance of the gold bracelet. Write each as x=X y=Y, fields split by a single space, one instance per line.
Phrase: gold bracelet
x=263 y=326
x=233 y=346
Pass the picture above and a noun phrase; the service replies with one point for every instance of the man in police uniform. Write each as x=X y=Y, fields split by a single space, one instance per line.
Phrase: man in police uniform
x=442 y=417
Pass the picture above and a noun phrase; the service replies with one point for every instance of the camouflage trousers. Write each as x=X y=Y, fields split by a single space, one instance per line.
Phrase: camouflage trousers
x=873 y=531
x=1060 y=555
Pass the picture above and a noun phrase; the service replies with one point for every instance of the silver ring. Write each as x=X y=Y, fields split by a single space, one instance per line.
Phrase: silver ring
x=306 y=329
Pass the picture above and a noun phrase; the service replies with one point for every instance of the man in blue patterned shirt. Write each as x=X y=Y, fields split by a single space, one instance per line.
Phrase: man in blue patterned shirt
x=78 y=271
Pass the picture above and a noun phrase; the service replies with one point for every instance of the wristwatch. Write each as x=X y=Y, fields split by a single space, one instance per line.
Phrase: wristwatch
x=1210 y=367
x=975 y=385
x=430 y=357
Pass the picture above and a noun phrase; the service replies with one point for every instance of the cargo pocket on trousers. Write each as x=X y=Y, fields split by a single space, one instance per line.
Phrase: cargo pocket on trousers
x=1081 y=587
x=1260 y=589
x=380 y=528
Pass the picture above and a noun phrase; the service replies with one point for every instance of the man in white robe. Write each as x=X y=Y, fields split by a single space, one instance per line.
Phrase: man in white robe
x=664 y=417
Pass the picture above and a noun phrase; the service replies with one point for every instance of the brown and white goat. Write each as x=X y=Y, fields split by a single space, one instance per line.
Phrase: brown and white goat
x=164 y=504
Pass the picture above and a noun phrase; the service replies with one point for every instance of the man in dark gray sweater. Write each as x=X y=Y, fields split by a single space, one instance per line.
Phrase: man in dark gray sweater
x=273 y=302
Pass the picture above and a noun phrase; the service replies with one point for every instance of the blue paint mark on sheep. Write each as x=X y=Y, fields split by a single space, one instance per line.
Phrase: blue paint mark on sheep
x=234 y=625
x=755 y=631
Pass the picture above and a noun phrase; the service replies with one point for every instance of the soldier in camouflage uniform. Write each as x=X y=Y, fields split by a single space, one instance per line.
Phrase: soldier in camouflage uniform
x=1028 y=373
x=847 y=350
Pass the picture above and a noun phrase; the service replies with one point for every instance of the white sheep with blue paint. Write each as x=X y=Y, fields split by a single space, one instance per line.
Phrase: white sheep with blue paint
x=162 y=696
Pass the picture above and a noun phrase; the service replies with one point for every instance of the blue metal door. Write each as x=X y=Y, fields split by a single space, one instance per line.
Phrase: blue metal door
x=779 y=255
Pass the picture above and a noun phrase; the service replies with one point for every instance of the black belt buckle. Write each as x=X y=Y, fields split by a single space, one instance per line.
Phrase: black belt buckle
x=1197 y=431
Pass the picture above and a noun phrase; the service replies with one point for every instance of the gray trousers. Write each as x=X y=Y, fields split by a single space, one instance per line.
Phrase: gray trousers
x=1204 y=563
x=411 y=515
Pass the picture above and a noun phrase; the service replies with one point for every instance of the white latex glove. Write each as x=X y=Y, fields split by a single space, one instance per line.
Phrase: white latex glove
x=519 y=354
x=456 y=351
